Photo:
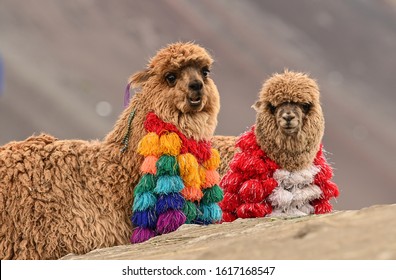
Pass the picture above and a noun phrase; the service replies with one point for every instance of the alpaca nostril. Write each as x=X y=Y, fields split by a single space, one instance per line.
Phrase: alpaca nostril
x=288 y=117
x=195 y=85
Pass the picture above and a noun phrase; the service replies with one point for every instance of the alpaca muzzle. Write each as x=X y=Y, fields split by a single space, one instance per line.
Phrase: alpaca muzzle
x=195 y=99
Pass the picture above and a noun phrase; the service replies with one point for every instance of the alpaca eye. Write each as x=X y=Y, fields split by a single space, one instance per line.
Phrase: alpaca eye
x=272 y=108
x=306 y=107
x=170 y=78
x=205 y=72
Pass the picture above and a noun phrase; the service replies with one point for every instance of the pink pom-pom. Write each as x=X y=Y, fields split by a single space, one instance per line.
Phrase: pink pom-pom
x=142 y=234
x=252 y=191
x=170 y=221
x=231 y=182
x=230 y=202
x=253 y=210
x=228 y=217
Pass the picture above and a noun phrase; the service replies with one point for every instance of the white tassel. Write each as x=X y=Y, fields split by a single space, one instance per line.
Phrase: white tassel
x=294 y=193
x=280 y=198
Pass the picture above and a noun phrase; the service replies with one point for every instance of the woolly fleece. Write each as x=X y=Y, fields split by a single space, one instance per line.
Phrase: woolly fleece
x=71 y=196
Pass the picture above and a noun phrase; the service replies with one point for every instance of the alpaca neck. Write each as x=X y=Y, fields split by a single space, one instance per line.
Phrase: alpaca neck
x=291 y=153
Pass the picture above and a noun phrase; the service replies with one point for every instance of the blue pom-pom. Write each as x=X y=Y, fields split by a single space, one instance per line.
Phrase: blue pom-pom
x=169 y=184
x=144 y=201
x=145 y=219
x=169 y=201
x=210 y=213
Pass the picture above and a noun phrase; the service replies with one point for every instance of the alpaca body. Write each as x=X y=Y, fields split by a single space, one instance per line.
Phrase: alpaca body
x=71 y=196
x=278 y=168
x=61 y=197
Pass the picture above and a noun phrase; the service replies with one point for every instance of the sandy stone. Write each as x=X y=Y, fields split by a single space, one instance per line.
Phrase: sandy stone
x=369 y=233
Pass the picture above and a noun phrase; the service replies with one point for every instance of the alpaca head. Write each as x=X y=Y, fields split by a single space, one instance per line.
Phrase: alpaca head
x=176 y=85
x=289 y=121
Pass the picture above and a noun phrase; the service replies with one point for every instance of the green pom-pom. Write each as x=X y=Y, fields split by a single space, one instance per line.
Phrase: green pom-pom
x=146 y=184
x=190 y=210
x=167 y=165
x=212 y=195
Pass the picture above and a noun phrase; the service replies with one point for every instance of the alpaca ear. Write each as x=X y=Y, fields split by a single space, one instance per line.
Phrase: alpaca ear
x=256 y=106
x=139 y=78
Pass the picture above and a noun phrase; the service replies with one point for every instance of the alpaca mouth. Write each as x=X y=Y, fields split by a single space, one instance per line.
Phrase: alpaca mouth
x=289 y=129
x=195 y=102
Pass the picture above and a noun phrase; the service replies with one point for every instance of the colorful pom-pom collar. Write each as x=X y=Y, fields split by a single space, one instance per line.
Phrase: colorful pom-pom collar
x=255 y=186
x=179 y=182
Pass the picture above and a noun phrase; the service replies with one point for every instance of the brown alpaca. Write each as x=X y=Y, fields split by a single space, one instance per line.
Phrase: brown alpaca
x=70 y=196
x=226 y=147
x=289 y=137
x=279 y=168
x=289 y=121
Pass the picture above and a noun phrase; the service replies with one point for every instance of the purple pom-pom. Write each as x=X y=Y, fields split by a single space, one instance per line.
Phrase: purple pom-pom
x=145 y=219
x=168 y=202
x=142 y=234
x=170 y=221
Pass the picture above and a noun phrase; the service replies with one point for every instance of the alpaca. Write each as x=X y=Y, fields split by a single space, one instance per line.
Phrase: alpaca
x=71 y=196
x=226 y=147
x=279 y=168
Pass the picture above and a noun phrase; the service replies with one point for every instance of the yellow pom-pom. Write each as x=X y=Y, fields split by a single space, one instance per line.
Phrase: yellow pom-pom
x=149 y=145
x=214 y=161
x=189 y=170
x=170 y=144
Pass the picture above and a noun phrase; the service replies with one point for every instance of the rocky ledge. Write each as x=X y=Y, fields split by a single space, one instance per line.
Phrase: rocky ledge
x=369 y=233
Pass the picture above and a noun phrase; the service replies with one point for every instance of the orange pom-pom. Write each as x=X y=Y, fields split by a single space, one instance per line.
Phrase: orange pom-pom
x=170 y=144
x=148 y=165
x=189 y=170
x=192 y=193
x=149 y=145
x=214 y=161
x=212 y=178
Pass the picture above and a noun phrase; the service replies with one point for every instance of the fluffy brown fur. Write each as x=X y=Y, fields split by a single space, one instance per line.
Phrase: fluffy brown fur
x=226 y=147
x=289 y=121
x=71 y=196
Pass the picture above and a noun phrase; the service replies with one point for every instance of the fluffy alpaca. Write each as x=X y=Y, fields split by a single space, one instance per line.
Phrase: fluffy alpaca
x=280 y=169
x=226 y=147
x=71 y=196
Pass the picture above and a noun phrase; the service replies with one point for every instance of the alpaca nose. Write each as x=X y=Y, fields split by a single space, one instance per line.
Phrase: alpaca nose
x=195 y=85
x=288 y=116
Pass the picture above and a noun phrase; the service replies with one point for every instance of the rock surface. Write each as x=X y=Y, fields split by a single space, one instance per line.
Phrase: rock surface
x=369 y=233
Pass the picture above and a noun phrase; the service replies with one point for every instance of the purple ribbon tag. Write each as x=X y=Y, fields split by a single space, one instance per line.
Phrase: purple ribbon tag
x=127 y=95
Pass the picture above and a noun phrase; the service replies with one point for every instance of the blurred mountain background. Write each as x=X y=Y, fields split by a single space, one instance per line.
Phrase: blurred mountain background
x=66 y=63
